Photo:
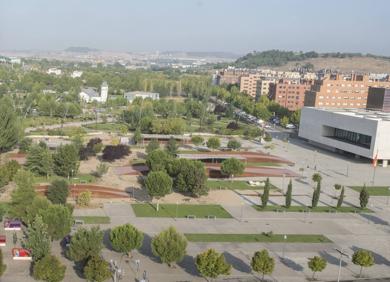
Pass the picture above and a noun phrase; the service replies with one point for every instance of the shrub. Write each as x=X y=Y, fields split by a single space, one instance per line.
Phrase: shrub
x=84 y=199
x=112 y=153
x=197 y=140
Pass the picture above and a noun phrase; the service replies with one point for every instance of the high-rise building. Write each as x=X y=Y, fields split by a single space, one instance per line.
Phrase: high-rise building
x=342 y=91
x=248 y=84
x=290 y=93
x=263 y=86
x=378 y=99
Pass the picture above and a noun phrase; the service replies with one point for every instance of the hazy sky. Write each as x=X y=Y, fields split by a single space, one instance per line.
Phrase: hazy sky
x=237 y=26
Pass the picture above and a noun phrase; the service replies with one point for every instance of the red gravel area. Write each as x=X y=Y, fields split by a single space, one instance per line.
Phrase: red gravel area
x=97 y=191
x=214 y=171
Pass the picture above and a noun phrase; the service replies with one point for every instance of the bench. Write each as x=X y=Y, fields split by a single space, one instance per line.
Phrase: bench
x=191 y=216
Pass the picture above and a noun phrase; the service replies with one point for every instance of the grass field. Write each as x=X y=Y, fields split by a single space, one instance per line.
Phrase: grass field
x=374 y=190
x=235 y=185
x=94 y=219
x=169 y=210
x=111 y=127
x=256 y=238
x=317 y=209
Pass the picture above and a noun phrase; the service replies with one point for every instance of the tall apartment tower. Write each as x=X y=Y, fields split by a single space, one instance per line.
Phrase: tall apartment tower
x=290 y=93
x=104 y=92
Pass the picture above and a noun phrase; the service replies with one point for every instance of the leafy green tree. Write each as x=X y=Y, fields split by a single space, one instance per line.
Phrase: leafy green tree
x=3 y=267
x=137 y=136
x=364 y=197
x=212 y=264
x=316 y=264
x=189 y=176
x=157 y=160
x=66 y=161
x=125 y=238
x=37 y=207
x=317 y=178
x=23 y=195
x=316 y=195
x=9 y=125
x=38 y=240
x=341 y=198
x=337 y=186
x=213 y=143
x=169 y=245
x=232 y=167
x=284 y=121
x=97 y=269
x=234 y=144
x=39 y=160
x=363 y=258
x=265 y=195
x=296 y=117
x=25 y=144
x=197 y=140
x=59 y=221
x=85 y=243
x=158 y=184
x=262 y=263
x=172 y=146
x=58 y=191
x=49 y=269
x=84 y=199
x=153 y=145
x=289 y=194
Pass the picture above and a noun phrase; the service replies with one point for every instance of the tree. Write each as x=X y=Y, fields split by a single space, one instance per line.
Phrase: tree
x=212 y=264
x=85 y=243
x=3 y=267
x=37 y=207
x=157 y=160
x=363 y=258
x=337 y=186
x=59 y=221
x=234 y=144
x=38 y=240
x=296 y=117
x=284 y=121
x=97 y=269
x=58 y=191
x=49 y=269
x=9 y=125
x=364 y=197
x=316 y=195
x=39 y=160
x=153 y=145
x=125 y=238
x=169 y=245
x=66 y=161
x=158 y=184
x=289 y=194
x=25 y=144
x=265 y=195
x=189 y=176
x=341 y=198
x=231 y=167
x=112 y=153
x=317 y=178
x=23 y=195
x=101 y=169
x=172 y=146
x=84 y=199
x=316 y=264
x=213 y=143
x=137 y=137
x=262 y=263
x=197 y=140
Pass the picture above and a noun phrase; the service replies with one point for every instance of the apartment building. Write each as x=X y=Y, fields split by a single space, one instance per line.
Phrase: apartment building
x=263 y=86
x=378 y=99
x=248 y=84
x=230 y=76
x=290 y=93
x=343 y=91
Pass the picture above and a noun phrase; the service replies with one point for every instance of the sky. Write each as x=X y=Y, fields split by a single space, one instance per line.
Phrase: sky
x=237 y=26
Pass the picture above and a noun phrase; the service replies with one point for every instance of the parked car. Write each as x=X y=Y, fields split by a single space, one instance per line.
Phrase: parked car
x=290 y=126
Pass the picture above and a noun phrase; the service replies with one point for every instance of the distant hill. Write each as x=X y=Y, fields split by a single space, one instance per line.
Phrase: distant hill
x=312 y=60
x=80 y=49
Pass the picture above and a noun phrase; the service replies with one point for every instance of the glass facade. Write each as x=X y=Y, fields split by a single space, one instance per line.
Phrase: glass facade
x=351 y=137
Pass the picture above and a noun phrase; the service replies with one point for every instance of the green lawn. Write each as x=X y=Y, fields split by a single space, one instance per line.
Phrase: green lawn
x=94 y=219
x=343 y=209
x=373 y=190
x=254 y=238
x=235 y=185
x=111 y=127
x=183 y=210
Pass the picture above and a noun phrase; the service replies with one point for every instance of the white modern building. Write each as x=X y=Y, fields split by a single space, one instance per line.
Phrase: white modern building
x=130 y=96
x=361 y=132
x=90 y=94
x=76 y=74
x=54 y=71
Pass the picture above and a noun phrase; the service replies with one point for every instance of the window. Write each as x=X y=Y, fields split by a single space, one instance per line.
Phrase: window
x=350 y=137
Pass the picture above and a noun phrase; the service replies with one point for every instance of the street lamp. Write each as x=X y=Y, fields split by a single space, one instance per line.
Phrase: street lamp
x=342 y=254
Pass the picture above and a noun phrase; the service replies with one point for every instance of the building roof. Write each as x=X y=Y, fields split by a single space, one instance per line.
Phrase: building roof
x=358 y=113
x=91 y=92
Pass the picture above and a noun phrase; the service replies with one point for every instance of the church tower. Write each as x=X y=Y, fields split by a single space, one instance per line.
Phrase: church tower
x=104 y=92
